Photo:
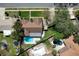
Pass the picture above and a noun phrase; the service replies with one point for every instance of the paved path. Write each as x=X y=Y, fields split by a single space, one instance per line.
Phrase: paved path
x=72 y=16
x=75 y=22
x=2 y=13
x=51 y=15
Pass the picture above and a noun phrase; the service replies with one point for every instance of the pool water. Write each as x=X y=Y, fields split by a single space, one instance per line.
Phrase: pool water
x=28 y=39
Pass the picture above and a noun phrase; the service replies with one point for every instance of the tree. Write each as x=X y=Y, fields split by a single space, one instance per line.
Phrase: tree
x=22 y=51
x=62 y=22
x=77 y=14
x=7 y=14
x=18 y=30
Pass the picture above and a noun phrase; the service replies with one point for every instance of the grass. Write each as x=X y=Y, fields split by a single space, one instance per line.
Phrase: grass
x=13 y=13
x=24 y=14
x=10 y=44
x=53 y=33
x=11 y=47
x=48 y=44
x=25 y=46
x=1 y=37
x=37 y=13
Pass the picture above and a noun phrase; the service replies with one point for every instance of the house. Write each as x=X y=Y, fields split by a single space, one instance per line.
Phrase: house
x=70 y=49
x=6 y=23
x=33 y=27
x=6 y=26
x=38 y=50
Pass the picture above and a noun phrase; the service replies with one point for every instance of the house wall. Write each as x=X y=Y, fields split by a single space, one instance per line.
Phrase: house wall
x=36 y=34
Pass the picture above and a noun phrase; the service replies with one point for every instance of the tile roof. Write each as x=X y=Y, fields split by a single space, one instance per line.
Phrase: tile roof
x=32 y=26
x=71 y=48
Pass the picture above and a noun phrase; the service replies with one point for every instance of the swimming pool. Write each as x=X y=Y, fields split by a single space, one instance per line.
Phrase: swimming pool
x=28 y=39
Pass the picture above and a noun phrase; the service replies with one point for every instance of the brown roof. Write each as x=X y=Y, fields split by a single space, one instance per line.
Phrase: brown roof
x=34 y=25
x=37 y=23
x=71 y=48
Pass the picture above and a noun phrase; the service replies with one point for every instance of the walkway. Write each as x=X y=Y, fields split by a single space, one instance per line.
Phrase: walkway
x=52 y=14
x=2 y=13
x=75 y=22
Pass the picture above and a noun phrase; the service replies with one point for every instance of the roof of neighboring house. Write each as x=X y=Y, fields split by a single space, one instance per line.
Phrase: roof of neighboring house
x=71 y=48
x=6 y=24
x=38 y=50
x=5 y=27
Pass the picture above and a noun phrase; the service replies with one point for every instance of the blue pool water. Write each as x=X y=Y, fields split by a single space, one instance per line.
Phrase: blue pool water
x=28 y=39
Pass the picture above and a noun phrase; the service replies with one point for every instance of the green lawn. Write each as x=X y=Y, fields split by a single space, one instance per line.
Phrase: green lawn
x=48 y=44
x=37 y=13
x=11 y=47
x=54 y=33
x=10 y=44
x=1 y=37
x=25 y=46
x=24 y=14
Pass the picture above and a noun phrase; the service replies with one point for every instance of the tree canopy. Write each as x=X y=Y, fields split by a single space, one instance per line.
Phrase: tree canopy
x=62 y=22
x=18 y=31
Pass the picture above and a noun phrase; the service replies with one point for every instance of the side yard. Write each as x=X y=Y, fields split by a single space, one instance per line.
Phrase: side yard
x=54 y=33
x=11 y=49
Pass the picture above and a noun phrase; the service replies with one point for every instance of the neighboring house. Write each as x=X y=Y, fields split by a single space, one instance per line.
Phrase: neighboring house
x=71 y=48
x=5 y=23
x=33 y=27
x=38 y=50
x=6 y=26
